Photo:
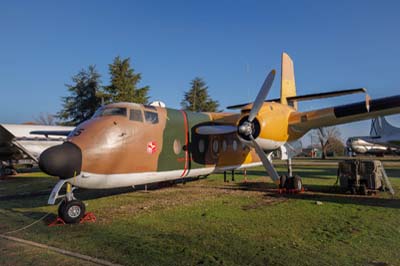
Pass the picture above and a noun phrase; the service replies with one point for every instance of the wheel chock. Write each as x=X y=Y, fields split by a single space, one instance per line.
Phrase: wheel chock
x=88 y=217
x=57 y=221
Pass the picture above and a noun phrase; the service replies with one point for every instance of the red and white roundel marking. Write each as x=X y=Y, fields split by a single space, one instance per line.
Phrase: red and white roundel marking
x=151 y=147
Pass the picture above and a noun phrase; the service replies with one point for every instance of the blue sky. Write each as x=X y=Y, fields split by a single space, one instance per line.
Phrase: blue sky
x=231 y=44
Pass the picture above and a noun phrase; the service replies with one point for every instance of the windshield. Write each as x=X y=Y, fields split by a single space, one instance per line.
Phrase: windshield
x=120 y=111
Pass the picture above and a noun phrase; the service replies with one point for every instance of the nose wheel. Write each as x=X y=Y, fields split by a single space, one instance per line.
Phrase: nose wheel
x=71 y=211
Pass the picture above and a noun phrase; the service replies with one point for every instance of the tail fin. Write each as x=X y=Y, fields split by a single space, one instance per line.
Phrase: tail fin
x=387 y=127
x=288 y=84
x=381 y=127
x=376 y=127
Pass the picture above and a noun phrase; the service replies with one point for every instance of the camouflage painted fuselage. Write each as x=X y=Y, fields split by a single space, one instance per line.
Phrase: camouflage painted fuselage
x=152 y=144
x=127 y=144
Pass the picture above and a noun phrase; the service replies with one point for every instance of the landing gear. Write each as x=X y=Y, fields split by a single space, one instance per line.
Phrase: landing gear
x=282 y=181
x=70 y=210
x=7 y=169
x=290 y=182
x=297 y=183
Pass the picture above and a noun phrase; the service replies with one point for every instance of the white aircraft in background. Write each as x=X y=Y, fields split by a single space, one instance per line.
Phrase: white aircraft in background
x=383 y=138
x=25 y=143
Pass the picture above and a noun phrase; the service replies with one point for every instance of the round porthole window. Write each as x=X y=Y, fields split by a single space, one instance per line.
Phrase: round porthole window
x=201 y=146
x=215 y=146
x=234 y=145
x=224 y=146
x=177 y=146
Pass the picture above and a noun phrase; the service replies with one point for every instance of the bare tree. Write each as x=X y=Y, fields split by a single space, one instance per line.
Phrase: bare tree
x=46 y=119
x=329 y=139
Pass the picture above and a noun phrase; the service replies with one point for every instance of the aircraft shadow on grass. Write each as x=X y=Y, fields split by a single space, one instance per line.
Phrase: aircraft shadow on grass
x=319 y=173
x=323 y=193
x=39 y=198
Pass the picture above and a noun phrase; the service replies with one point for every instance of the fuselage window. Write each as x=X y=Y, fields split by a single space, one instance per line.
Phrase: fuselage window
x=151 y=117
x=215 y=146
x=119 y=111
x=234 y=145
x=224 y=145
x=136 y=115
x=201 y=146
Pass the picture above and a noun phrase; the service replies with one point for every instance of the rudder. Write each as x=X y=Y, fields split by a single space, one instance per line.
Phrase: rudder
x=288 y=84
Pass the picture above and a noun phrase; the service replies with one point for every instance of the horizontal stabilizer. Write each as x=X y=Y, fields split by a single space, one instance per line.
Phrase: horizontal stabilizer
x=215 y=129
x=315 y=96
x=308 y=97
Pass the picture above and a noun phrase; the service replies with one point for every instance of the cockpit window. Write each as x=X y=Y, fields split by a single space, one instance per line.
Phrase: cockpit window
x=136 y=115
x=151 y=117
x=119 y=111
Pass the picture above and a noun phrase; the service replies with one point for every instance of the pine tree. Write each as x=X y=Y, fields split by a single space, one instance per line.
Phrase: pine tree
x=124 y=80
x=83 y=102
x=197 y=98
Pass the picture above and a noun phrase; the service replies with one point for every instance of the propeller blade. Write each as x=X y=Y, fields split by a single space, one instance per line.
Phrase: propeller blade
x=215 y=130
x=262 y=94
x=265 y=161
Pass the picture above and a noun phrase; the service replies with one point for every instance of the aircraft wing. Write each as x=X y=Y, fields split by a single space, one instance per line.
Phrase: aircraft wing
x=304 y=121
x=47 y=133
x=22 y=141
x=8 y=150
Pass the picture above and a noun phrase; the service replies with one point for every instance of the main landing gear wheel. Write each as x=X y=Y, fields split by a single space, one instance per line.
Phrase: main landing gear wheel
x=282 y=181
x=297 y=183
x=294 y=182
x=71 y=211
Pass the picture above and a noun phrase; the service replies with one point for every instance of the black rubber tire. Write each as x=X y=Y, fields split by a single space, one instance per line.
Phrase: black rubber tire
x=61 y=207
x=72 y=212
x=297 y=183
x=282 y=181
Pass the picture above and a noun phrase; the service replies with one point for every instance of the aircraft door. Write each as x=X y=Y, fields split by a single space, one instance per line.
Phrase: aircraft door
x=174 y=155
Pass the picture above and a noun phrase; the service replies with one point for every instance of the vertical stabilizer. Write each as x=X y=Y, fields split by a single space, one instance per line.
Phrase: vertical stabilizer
x=376 y=128
x=380 y=126
x=288 y=84
x=387 y=128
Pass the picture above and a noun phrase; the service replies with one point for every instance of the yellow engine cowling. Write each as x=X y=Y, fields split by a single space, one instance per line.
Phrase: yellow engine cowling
x=269 y=128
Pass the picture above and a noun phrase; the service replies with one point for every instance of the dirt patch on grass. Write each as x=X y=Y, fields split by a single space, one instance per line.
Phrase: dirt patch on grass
x=184 y=195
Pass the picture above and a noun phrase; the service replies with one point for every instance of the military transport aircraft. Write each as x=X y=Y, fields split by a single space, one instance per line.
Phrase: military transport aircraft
x=383 y=138
x=126 y=144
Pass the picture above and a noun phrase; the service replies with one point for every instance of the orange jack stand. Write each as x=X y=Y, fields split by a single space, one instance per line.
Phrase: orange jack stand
x=88 y=217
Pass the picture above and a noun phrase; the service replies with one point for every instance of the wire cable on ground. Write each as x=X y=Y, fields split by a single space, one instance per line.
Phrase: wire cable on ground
x=27 y=226
x=61 y=251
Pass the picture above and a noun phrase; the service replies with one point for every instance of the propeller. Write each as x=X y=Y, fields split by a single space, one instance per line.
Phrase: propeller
x=265 y=161
x=262 y=94
x=249 y=127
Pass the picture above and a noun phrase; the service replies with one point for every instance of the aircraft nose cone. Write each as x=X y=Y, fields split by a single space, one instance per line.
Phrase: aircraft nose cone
x=64 y=161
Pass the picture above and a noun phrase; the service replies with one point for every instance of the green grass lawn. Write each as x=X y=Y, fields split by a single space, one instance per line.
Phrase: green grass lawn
x=209 y=222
